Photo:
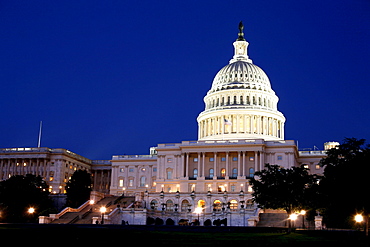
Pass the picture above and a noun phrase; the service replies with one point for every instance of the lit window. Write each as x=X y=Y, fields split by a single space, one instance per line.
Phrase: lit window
x=217 y=205
x=131 y=182
x=317 y=167
x=169 y=160
x=251 y=158
x=195 y=159
x=121 y=170
x=223 y=172
x=233 y=205
x=121 y=183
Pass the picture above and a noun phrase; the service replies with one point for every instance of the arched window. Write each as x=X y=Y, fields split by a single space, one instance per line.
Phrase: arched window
x=241 y=100
x=251 y=172
x=223 y=172
x=235 y=173
x=201 y=203
x=211 y=173
x=195 y=173
x=217 y=205
x=185 y=205
x=142 y=181
x=233 y=205
x=154 y=204
x=169 y=205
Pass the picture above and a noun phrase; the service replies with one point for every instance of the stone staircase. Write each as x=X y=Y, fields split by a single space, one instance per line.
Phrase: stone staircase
x=88 y=212
x=273 y=218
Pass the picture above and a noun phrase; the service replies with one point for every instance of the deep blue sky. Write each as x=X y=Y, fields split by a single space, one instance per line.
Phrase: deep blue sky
x=116 y=77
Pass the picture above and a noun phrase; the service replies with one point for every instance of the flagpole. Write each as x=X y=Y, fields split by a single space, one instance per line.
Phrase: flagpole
x=39 y=142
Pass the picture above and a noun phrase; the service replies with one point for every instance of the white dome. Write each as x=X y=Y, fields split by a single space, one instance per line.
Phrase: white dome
x=241 y=103
x=243 y=75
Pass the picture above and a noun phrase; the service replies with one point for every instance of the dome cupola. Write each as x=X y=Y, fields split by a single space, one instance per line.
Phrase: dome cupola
x=241 y=103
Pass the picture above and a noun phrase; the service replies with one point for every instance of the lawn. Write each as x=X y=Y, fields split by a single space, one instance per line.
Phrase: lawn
x=179 y=236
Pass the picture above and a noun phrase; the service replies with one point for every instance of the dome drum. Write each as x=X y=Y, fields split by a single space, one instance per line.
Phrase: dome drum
x=241 y=124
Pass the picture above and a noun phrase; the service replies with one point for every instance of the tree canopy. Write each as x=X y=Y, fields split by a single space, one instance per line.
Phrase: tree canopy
x=280 y=188
x=19 y=193
x=78 y=188
x=344 y=187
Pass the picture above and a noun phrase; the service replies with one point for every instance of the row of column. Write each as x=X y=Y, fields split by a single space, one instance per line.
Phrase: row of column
x=241 y=163
x=102 y=180
x=240 y=123
x=38 y=166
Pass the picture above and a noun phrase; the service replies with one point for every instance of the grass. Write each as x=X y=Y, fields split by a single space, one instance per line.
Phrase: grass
x=114 y=236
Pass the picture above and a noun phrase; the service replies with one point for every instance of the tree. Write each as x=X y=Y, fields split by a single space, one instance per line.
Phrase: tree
x=78 y=188
x=288 y=189
x=19 y=193
x=345 y=183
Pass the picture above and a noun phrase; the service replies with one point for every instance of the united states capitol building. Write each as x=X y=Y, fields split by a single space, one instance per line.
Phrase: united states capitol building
x=204 y=181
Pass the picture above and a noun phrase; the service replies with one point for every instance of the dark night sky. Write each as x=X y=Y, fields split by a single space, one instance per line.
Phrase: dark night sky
x=116 y=77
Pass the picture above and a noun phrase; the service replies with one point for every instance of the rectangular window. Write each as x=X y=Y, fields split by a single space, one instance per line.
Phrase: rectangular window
x=251 y=158
x=121 y=170
x=195 y=159
x=154 y=169
x=317 y=167
x=223 y=158
x=169 y=160
x=130 y=182
x=131 y=170
x=121 y=183
x=232 y=188
x=235 y=158
x=280 y=157
x=211 y=159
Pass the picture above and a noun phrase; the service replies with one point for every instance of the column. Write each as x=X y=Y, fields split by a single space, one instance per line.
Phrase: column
x=262 y=159
x=203 y=161
x=182 y=165
x=239 y=165
x=255 y=161
x=215 y=165
x=198 y=165
x=187 y=165
x=243 y=164
x=227 y=165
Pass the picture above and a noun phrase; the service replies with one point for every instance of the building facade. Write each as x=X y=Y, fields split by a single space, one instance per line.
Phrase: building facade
x=207 y=180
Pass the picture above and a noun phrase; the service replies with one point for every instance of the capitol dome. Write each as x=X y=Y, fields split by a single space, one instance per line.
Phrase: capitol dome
x=241 y=103
x=241 y=74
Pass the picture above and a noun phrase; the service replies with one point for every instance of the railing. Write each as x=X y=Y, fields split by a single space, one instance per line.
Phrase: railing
x=46 y=150
x=316 y=152
x=144 y=156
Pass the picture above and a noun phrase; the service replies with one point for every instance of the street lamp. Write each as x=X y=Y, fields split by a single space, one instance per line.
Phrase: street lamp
x=102 y=211
x=198 y=211
x=359 y=218
x=31 y=210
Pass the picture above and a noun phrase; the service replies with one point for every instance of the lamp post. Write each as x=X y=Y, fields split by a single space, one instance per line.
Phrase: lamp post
x=198 y=211
x=102 y=211
x=359 y=218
